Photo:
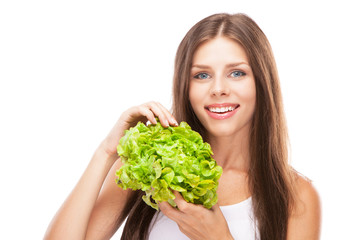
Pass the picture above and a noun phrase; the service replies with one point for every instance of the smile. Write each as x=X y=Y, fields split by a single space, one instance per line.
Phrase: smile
x=221 y=111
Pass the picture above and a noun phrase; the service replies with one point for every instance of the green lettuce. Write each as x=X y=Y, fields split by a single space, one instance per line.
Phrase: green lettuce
x=158 y=160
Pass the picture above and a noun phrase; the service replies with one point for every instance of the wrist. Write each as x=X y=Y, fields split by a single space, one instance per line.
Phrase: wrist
x=106 y=155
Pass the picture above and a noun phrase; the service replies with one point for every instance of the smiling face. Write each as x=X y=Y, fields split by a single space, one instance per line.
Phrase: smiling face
x=222 y=88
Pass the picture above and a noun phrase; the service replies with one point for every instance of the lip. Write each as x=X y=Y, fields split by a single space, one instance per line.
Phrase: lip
x=219 y=105
x=221 y=116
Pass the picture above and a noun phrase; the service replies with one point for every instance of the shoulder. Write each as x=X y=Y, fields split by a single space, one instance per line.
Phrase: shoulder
x=305 y=217
x=306 y=192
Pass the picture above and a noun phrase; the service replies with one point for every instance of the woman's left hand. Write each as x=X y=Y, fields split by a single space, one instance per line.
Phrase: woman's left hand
x=196 y=221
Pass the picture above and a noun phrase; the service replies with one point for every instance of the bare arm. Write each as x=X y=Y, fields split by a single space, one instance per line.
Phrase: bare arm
x=71 y=220
x=104 y=220
x=93 y=207
x=305 y=221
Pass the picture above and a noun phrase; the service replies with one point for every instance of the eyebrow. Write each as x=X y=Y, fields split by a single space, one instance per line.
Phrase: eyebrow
x=230 y=65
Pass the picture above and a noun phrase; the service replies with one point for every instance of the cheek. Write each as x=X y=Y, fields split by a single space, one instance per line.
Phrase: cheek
x=246 y=93
x=194 y=96
x=249 y=91
x=250 y=98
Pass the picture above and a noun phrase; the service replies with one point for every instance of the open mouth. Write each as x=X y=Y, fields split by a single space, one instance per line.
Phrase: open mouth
x=222 y=110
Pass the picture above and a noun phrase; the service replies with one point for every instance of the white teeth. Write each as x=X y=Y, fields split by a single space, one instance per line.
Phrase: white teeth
x=221 y=110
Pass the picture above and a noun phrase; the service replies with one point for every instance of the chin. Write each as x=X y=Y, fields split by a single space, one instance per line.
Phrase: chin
x=221 y=131
x=227 y=129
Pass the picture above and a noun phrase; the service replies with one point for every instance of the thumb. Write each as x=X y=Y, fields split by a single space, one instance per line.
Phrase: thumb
x=216 y=208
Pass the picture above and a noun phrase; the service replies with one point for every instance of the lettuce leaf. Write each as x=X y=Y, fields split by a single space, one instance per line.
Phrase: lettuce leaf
x=158 y=160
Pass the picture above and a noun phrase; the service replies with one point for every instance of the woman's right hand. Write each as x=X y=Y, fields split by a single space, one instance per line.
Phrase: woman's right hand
x=88 y=212
x=129 y=118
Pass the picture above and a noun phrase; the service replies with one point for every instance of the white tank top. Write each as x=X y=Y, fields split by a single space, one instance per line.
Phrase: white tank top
x=239 y=216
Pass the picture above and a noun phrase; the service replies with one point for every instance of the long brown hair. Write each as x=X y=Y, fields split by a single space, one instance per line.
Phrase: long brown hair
x=270 y=175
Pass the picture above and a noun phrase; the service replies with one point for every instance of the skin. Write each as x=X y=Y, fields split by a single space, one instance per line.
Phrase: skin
x=221 y=74
x=217 y=78
x=91 y=209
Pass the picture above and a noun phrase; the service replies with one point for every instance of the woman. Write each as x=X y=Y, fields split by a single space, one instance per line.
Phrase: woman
x=227 y=88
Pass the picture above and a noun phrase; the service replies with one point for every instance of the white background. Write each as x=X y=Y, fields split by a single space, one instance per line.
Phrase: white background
x=68 y=69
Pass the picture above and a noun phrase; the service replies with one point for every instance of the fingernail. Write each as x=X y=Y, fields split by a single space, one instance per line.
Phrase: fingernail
x=173 y=121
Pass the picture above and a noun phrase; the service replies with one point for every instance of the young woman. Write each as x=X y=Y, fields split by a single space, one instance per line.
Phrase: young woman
x=227 y=88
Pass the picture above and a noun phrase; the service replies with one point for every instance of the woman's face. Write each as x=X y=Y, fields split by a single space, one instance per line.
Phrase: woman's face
x=222 y=87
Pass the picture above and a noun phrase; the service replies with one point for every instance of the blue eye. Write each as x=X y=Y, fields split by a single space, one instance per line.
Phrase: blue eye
x=202 y=76
x=237 y=74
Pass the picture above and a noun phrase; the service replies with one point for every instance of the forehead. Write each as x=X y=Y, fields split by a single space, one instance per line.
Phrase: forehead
x=219 y=50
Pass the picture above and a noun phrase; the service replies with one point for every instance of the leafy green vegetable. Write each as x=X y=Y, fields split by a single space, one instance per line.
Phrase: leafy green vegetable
x=158 y=160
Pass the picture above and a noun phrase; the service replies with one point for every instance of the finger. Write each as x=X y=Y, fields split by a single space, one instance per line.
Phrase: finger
x=182 y=205
x=145 y=111
x=163 y=117
x=154 y=107
x=216 y=208
x=169 y=211
x=171 y=119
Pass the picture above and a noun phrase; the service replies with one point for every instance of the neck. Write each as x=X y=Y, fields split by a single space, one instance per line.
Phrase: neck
x=231 y=152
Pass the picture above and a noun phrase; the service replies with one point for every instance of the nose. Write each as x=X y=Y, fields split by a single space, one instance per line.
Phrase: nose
x=219 y=88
